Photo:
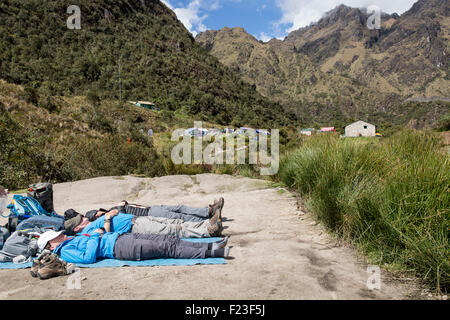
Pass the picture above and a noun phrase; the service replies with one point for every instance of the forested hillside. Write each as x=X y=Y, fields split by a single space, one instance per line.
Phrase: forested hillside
x=160 y=60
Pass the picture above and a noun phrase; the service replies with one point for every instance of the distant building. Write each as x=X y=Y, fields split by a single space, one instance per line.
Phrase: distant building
x=360 y=129
x=144 y=104
x=307 y=132
x=327 y=129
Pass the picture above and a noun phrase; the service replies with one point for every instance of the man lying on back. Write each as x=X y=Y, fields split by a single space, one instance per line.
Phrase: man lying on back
x=121 y=223
x=86 y=249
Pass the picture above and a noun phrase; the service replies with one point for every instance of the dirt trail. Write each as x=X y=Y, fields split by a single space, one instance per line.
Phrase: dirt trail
x=278 y=251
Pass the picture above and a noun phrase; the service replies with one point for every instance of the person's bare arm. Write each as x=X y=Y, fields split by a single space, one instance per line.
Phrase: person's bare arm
x=108 y=218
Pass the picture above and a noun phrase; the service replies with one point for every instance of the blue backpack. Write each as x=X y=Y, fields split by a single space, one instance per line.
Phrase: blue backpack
x=25 y=207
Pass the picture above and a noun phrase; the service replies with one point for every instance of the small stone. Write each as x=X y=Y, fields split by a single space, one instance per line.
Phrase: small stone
x=314 y=223
x=84 y=278
x=444 y=297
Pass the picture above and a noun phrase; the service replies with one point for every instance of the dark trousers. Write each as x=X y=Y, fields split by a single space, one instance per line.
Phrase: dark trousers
x=136 y=246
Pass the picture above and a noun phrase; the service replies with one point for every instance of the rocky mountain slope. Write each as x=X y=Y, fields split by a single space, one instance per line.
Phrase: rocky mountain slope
x=159 y=59
x=339 y=69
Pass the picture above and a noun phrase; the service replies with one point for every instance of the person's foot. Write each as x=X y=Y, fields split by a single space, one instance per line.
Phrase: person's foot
x=219 y=244
x=216 y=216
x=220 y=253
x=211 y=208
x=216 y=205
x=215 y=230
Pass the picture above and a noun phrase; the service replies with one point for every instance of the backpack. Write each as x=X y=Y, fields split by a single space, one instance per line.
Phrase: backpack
x=22 y=208
x=43 y=193
x=4 y=234
x=20 y=243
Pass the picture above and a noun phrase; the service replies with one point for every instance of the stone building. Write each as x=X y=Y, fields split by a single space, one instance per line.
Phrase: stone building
x=360 y=129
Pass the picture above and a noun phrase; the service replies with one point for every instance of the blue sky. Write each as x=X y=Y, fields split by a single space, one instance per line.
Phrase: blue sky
x=266 y=19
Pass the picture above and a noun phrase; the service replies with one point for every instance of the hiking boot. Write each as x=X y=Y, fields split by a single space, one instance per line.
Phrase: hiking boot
x=216 y=216
x=35 y=267
x=53 y=268
x=40 y=260
x=217 y=205
x=215 y=230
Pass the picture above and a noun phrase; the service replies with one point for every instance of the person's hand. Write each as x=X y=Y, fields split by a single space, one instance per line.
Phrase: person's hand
x=99 y=231
x=112 y=214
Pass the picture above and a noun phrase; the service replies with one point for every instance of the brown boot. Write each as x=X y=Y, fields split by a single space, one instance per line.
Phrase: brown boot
x=53 y=268
x=216 y=229
x=39 y=261
x=217 y=205
x=216 y=216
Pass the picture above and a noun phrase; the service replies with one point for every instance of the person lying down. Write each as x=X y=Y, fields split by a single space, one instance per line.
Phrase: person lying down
x=87 y=249
x=117 y=220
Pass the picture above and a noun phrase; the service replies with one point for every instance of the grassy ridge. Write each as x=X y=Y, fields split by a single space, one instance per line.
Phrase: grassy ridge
x=389 y=197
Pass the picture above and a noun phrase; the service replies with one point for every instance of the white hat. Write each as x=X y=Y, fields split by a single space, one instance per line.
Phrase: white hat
x=46 y=237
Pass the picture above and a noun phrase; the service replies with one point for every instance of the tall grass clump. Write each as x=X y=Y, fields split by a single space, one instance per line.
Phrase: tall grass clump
x=391 y=197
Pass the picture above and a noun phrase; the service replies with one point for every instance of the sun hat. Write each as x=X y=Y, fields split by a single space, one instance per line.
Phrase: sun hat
x=46 y=237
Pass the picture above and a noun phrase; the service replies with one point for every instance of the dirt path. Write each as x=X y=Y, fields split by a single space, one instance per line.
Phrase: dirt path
x=278 y=252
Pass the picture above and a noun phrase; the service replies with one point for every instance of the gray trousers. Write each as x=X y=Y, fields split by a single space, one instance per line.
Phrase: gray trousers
x=135 y=247
x=171 y=212
x=173 y=227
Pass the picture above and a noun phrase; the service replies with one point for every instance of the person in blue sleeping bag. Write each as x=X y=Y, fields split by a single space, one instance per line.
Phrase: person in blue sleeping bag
x=87 y=248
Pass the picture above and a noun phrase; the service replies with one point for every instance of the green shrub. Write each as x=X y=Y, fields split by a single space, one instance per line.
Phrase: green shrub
x=390 y=197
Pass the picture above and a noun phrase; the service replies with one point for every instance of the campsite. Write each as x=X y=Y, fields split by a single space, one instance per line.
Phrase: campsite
x=265 y=240
x=224 y=150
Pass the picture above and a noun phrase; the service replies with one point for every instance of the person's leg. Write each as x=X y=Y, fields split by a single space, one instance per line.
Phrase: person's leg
x=179 y=228
x=189 y=213
x=173 y=212
x=137 y=210
x=149 y=246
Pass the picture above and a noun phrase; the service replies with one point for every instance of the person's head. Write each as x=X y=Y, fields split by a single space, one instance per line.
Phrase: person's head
x=93 y=215
x=70 y=213
x=45 y=238
x=72 y=223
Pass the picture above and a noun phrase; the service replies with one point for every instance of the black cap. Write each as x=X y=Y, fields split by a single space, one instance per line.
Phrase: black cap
x=69 y=214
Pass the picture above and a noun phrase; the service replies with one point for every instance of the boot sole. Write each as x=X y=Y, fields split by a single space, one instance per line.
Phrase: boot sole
x=49 y=276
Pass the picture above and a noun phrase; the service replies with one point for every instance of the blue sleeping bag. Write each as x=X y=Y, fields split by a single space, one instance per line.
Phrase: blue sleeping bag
x=43 y=222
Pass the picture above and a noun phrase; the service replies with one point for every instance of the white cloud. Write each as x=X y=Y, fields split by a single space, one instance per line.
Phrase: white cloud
x=301 y=13
x=191 y=15
x=264 y=37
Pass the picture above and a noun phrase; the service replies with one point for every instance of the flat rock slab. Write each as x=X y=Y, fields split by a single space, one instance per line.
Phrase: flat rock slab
x=277 y=251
